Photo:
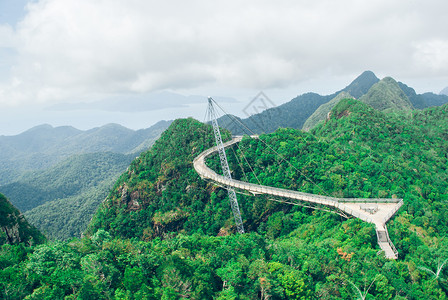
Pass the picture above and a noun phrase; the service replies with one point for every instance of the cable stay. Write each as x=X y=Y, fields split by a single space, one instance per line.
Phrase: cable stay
x=375 y=211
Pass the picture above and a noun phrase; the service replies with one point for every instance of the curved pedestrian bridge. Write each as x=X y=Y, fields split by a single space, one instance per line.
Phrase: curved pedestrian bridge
x=376 y=211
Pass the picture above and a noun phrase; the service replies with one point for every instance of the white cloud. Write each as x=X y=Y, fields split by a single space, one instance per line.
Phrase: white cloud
x=81 y=49
x=7 y=37
x=432 y=55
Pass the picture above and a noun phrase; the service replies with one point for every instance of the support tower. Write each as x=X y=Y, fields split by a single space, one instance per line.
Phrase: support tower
x=225 y=166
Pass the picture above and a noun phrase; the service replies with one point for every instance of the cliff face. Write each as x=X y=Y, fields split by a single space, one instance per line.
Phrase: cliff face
x=14 y=228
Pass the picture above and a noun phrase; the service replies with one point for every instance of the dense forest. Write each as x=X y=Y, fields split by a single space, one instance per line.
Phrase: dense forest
x=163 y=233
x=14 y=229
x=306 y=110
x=61 y=200
x=58 y=176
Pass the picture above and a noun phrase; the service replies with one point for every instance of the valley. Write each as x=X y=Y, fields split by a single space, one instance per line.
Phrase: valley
x=162 y=232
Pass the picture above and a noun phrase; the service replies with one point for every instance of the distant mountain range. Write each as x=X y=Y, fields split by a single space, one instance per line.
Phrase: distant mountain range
x=58 y=176
x=306 y=110
x=43 y=146
x=444 y=91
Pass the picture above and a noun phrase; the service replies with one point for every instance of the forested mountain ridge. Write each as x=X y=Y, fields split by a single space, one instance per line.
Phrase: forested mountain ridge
x=61 y=200
x=163 y=233
x=43 y=146
x=67 y=177
x=322 y=111
x=294 y=113
x=161 y=192
x=14 y=229
x=386 y=94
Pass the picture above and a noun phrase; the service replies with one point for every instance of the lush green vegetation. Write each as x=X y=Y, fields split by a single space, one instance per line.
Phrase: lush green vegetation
x=71 y=177
x=322 y=111
x=63 y=219
x=61 y=198
x=387 y=94
x=163 y=233
x=14 y=229
x=294 y=113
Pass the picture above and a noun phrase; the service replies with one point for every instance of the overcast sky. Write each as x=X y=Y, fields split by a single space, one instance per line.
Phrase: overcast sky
x=87 y=63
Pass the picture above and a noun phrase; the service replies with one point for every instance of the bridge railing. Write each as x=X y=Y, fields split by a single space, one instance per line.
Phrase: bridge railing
x=390 y=242
x=354 y=213
x=206 y=172
x=370 y=200
x=392 y=212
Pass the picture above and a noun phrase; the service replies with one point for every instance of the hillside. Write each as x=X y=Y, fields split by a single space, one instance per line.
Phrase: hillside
x=291 y=114
x=163 y=233
x=161 y=190
x=294 y=113
x=322 y=111
x=421 y=101
x=43 y=146
x=14 y=229
x=386 y=94
x=69 y=177
x=61 y=200
x=68 y=217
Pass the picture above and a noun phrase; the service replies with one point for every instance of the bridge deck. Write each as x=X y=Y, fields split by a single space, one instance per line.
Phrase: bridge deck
x=376 y=211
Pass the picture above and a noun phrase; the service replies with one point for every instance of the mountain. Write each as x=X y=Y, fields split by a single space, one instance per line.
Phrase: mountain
x=164 y=233
x=61 y=200
x=59 y=176
x=160 y=192
x=386 y=94
x=69 y=177
x=294 y=113
x=291 y=114
x=432 y=99
x=421 y=101
x=322 y=111
x=43 y=146
x=361 y=85
x=14 y=228
x=444 y=91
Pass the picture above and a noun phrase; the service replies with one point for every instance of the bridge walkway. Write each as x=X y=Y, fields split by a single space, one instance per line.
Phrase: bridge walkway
x=375 y=211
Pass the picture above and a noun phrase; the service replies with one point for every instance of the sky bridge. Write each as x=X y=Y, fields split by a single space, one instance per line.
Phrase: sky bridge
x=375 y=211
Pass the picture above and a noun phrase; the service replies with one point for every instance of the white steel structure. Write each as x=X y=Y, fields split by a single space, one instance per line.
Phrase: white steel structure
x=225 y=167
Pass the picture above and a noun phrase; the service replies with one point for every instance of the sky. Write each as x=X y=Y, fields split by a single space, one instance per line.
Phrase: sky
x=134 y=62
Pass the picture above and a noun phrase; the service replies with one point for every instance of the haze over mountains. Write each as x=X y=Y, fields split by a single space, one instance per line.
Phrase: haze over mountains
x=58 y=176
x=164 y=233
x=43 y=170
x=380 y=94
x=444 y=91
x=43 y=146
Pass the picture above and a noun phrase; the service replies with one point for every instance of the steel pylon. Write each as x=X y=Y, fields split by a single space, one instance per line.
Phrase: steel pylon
x=225 y=166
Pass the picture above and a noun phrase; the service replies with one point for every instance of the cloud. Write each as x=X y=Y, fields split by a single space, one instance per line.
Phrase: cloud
x=138 y=103
x=433 y=54
x=81 y=50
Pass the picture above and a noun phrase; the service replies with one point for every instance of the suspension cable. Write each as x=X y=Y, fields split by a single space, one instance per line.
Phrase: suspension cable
x=272 y=149
x=245 y=158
